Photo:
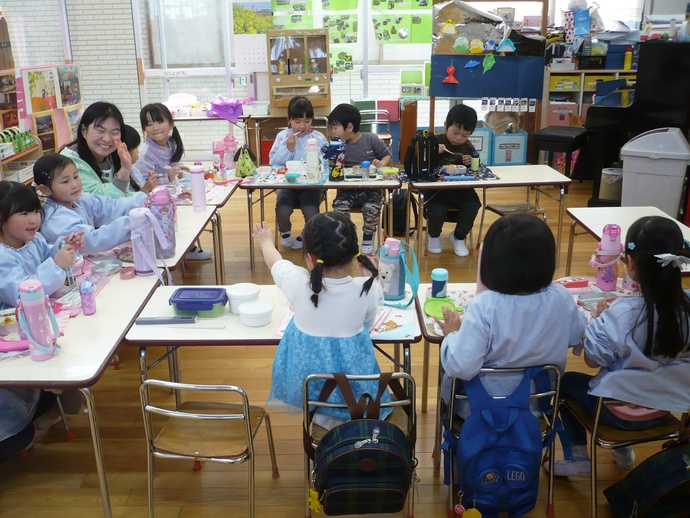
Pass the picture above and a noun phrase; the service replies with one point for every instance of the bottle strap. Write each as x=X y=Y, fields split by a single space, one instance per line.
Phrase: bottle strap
x=43 y=349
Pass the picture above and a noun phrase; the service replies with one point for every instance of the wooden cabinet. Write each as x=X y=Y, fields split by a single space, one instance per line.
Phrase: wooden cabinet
x=569 y=93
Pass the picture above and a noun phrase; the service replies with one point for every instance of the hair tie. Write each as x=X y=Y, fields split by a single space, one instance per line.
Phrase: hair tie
x=631 y=245
x=675 y=260
x=319 y=261
x=358 y=254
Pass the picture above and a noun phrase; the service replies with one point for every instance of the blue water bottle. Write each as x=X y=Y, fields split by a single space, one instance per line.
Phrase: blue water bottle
x=439 y=282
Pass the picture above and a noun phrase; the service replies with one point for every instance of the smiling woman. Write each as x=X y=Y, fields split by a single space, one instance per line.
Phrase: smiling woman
x=101 y=157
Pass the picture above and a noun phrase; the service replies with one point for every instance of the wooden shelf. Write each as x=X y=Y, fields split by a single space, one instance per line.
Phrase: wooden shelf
x=21 y=154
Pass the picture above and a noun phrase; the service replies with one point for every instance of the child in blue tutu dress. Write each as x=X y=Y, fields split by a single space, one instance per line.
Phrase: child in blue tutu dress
x=333 y=313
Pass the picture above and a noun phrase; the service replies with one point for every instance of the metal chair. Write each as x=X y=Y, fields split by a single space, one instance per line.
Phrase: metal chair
x=547 y=423
x=611 y=438
x=503 y=209
x=371 y=122
x=404 y=416
x=202 y=430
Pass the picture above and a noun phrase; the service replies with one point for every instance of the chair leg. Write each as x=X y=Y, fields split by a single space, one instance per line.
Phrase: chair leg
x=151 y=472
x=481 y=221
x=593 y=481
x=550 y=510
x=251 y=486
x=307 y=485
x=271 y=448
x=68 y=431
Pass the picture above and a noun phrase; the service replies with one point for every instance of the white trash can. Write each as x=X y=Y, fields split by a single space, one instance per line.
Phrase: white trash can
x=611 y=184
x=654 y=165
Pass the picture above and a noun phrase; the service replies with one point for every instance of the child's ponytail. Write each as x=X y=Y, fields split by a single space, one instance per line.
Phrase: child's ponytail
x=369 y=265
x=316 y=278
x=179 y=147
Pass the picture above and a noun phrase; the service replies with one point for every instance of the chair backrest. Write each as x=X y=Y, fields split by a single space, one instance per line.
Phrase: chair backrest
x=606 y=87
x=205 y=410
x=372 y=120
x=320 y=123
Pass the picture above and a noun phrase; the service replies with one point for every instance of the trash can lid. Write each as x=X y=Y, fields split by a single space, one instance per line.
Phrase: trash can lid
x=658 y=143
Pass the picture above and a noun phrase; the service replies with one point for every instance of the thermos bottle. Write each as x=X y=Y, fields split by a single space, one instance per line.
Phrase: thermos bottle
x=37 y=320
x=163 y=207
x=313 y=161
x=439 y=282
x=87 y=292
x=606 y=258
x=391 y=272
x=198 y=188
x=474 y=165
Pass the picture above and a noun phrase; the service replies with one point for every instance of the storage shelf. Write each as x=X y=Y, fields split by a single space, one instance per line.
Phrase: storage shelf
x=21 y=154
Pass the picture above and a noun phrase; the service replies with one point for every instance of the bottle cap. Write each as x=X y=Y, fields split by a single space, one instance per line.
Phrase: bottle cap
x=86 y=285
x=439 y=274
x=366 y=164
x=392 y=246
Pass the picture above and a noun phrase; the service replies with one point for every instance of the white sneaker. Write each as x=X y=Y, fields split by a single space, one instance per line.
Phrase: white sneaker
x=367 y=244
x=576 y=467
x=624 y=457
x=197 y=254
x=286 y=239
x=297 y=243
x=459 y=246
x=434 y=245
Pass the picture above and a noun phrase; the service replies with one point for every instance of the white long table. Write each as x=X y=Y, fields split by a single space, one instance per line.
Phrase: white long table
x=593 y=220
x=536 y=176
x=86 y=348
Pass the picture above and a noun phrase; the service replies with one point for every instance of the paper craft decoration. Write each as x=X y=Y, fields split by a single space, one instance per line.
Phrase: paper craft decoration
x=506 y=46
x=489 y=62
x=471 y=64
x=450 y=78
x=476 y=46
x=449 y=27
x=461 y=44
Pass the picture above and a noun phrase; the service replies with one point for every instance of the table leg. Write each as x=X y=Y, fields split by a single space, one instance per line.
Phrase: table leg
x=421 y=246
x=571 y=242
x=438 y=429
x=221 y=248
x=425 y=376
x=98 y=452
x=251 y=226
x=561 y=209
x=216 y=252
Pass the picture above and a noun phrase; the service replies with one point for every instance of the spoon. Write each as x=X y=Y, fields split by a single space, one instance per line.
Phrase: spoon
x=446 y=150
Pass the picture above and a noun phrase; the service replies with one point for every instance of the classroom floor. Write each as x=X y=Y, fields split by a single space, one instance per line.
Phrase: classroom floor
x=58 y=477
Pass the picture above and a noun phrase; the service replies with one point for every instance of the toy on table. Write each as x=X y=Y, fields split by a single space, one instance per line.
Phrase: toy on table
x=334 y=153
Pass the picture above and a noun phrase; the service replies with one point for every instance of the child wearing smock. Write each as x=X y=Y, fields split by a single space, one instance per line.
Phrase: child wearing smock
x=104 y=221
x=102 y=159
x=641 y=345
x=162 y=148
x=521 y=320
x=333 y=314
x=290 y=144
x=24 y=253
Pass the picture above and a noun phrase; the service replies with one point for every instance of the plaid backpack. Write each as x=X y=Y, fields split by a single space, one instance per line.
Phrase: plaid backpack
x=364 y=465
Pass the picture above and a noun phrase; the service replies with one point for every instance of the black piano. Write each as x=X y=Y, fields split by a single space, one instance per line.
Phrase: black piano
x=661 y=98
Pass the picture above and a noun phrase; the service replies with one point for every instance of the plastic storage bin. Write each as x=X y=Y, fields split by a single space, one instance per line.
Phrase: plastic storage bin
x=509 y=148
x=481 y=139
x=202 y=302
x=654 y=165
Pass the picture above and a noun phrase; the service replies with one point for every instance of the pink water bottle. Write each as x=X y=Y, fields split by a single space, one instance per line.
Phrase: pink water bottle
x=391 y=273
x=37 y=320
x=163 y=207
x=218 y=155
x=606 y=258
x=230 y=144
x=87 y=292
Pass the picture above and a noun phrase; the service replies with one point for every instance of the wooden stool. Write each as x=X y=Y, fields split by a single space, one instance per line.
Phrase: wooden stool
x=558 y=139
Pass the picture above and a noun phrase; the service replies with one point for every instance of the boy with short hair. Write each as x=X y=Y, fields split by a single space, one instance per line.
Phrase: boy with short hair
x=459 y=125
x=346 y=119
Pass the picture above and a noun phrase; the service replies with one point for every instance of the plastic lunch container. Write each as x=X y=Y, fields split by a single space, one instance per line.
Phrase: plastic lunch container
x=202 y=302
x=256 y=313
x=242 y=292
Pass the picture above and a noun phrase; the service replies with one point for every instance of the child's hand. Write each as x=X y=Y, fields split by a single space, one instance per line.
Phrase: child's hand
x=376 y=163
x=451 y=321
x=467 y=160
x=291 y=142
x=262 y=234
x=76 y=240
x=174 y=173
x=602 y=305
x=150 y=183
x=65 y=257
x=441 y=148
x=125 y=159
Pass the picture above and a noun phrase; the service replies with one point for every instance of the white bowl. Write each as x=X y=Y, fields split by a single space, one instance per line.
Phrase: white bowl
x=241 y=292
x=256 y=313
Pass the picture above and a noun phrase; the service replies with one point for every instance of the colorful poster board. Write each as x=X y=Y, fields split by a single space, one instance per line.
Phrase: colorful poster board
x=41 y=89
x=70 y=85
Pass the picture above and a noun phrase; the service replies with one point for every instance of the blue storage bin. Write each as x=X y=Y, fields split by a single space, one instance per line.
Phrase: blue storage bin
x=615 y=55
x=481 y=139
x=509 y=148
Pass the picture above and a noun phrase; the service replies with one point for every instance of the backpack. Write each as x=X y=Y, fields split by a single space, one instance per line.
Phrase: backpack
x=660 y=486
x=421 y=157
x=364 y=465
x=499 y=450
x=400 y=213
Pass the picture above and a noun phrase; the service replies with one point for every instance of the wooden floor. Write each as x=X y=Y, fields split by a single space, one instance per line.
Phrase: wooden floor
x=58 y=478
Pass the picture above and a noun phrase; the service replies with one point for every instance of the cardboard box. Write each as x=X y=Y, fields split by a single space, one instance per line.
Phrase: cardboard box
x=559 y=113
x=509 y=148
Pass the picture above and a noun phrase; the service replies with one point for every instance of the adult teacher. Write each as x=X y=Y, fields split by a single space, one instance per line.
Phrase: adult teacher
x=101 y=157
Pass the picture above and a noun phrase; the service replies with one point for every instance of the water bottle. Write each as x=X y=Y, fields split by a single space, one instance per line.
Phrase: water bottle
x=313 y=161
x=439 y=282
x=218 y=156
x=163 y=207
x=606 y=258
x=88 y=296
x=391 y=272
x=365 y=169
x=145 y=231
x=196 y=172
x=230 y=149
x=474 y=165
x=37 y=320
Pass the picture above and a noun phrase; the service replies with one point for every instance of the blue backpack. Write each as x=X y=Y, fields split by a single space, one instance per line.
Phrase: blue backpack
x=499 y=450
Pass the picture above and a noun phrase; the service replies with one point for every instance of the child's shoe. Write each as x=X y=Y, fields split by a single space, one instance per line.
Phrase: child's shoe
x=297 y=243
x=575 y=467
x=197 y=254
x=367 y=243
x=624 y=457
x=286 y=239
x=434 y=245
x=459 y=246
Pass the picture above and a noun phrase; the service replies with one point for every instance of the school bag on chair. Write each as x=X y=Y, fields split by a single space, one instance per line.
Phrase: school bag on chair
x=399 y=203
x=421 y=157
x=499 y=450
x=364 y=465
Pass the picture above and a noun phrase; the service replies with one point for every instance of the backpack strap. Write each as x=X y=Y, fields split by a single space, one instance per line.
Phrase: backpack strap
x=412 y=277
x=326 y=391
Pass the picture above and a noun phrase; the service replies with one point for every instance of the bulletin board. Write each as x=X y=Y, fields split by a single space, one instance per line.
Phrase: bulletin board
x=510 y=76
